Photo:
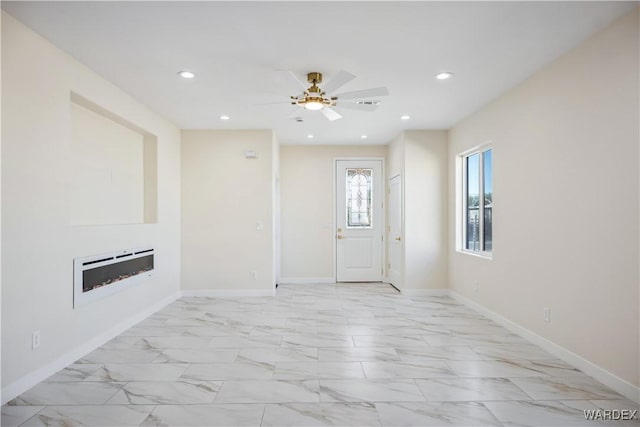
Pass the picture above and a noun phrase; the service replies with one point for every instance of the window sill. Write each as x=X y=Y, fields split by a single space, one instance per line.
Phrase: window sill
x=484 y=255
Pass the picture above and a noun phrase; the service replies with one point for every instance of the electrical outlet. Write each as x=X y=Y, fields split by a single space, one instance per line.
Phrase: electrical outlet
x=35 y=340
x=252 y=275
x=547 y=314
x=476 y=286
x=259 y=226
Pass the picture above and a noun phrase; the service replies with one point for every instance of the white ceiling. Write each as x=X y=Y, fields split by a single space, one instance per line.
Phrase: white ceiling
x=234 y=47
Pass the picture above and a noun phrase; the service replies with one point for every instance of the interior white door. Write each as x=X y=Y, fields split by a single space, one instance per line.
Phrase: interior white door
x=359 y=233
x=394 y=267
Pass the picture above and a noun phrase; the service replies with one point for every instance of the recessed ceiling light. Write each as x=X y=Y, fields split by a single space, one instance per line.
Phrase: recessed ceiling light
x=310 y=136
x=444 y=75
x=223 y=117
x=405 y=117
x=364 y=137
x=186 y=74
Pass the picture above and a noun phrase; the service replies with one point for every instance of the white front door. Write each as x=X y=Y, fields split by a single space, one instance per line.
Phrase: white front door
x=395 y=231
x=359 y=222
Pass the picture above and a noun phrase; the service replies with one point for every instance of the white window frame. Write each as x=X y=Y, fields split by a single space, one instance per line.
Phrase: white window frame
x=462 y=213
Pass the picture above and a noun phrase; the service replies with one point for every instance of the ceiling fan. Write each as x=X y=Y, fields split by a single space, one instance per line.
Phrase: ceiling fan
x=315 y=98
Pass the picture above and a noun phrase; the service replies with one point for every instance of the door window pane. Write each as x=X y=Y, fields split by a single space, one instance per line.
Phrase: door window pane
x=473 y=202
x=487 y=191
x=359 y=182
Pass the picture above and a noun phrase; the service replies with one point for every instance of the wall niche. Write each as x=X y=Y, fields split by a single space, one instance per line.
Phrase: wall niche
x=113 y=168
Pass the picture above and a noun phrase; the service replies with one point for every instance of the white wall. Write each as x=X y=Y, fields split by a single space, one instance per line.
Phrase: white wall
x=1 y=397
x=306 y=178
x=107 y=181
x=395 y=155
x=224 y=197
x=566 y=231
x=38 y=242
x=425 y=209
x=276 y=230
x=395 y=167
x=420 y=157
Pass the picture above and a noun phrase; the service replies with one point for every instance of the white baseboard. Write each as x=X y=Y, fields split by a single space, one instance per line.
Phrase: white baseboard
x=229 y=293
x=26 y=382
x=425 y=292
x=306 y=280
x=612 y=381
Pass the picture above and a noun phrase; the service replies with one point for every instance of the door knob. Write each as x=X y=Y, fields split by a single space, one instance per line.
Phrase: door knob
x=340 y=236
x=398 y=238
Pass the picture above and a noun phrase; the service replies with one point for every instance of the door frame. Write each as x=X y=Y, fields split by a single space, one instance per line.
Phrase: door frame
x=400 y=177
x=383 y=212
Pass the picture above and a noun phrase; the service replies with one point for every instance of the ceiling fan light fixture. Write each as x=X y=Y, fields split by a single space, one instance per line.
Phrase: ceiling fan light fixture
x=313 y=105
x=316 y=98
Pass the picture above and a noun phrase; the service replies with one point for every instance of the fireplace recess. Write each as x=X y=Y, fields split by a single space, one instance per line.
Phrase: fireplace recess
x=97 y=276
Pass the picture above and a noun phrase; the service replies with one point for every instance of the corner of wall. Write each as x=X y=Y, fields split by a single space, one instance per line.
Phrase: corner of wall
x=36 y=221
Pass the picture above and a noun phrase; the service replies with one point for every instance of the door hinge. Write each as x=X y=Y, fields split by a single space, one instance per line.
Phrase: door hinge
x=389 y=266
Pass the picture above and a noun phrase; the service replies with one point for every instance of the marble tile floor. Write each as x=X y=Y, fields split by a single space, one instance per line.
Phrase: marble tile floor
x=315 y=355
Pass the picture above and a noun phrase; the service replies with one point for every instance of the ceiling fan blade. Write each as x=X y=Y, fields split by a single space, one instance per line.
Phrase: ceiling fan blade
x=356 y=106
x=288 y=81
x=330 y=114
x=337 y=81
x=275 y=103
x=361 y=94
x=298 y=82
